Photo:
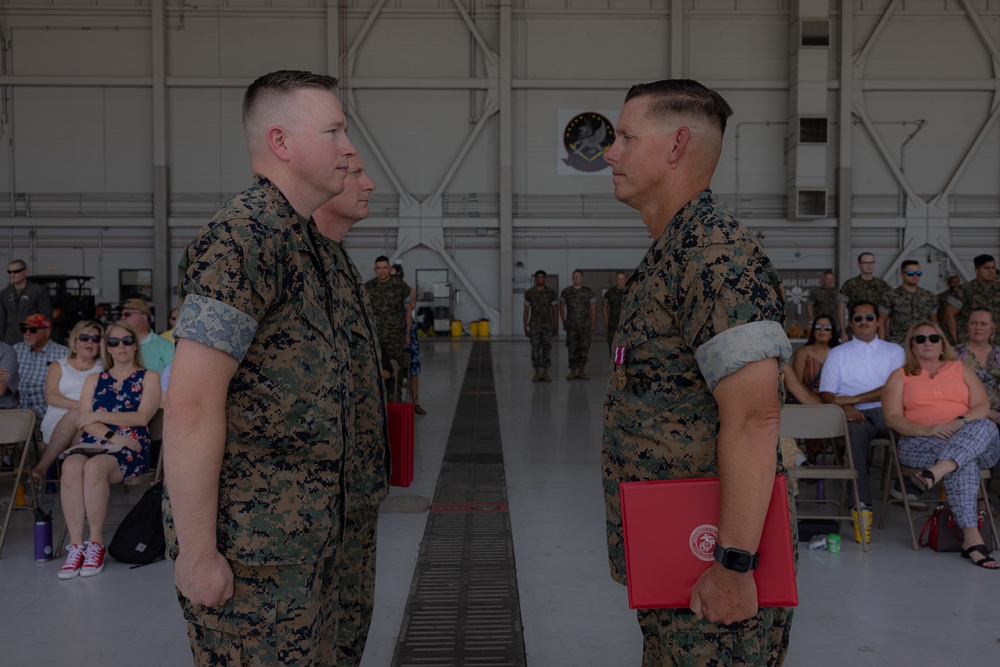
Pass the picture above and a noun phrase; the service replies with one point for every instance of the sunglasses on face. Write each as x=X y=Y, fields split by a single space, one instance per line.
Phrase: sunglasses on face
x=823 y=327
x=921 y=339
x=863 y=318
x=124 y=340
x=14 y=271
x=30 y=329
x=914 y=273
x=89 y=338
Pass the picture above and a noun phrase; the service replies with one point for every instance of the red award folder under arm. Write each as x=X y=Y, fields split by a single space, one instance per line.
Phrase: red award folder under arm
x=400 y=443
x=670 y=528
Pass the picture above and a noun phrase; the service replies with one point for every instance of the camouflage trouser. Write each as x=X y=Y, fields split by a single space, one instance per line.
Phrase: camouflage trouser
x=356 y=569
x=676 y=638
x=578 y=342
x=278 y=615
x=541 y=348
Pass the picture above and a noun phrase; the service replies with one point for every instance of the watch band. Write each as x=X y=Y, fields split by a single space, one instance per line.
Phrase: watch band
x=736 y=560
x=110 y=434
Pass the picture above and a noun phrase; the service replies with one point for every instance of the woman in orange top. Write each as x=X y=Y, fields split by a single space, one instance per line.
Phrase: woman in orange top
x=938 y=406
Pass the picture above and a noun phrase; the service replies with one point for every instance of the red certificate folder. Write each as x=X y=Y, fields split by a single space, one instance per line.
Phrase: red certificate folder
x=401 y=443
x=670 y=528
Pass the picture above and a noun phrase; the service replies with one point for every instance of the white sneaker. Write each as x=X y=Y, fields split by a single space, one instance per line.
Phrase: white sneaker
x=912 y=499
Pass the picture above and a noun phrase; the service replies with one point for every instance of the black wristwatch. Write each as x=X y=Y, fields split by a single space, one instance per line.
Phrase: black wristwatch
x=110 y=434
x=736 y=560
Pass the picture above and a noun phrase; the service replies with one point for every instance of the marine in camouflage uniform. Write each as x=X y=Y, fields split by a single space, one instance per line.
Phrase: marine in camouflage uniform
x=366 y=462
x=823 y=300
x=705 y=303
x=389 y=299
x=540 y=305
x=981 y=293
x=253 y=284
x=578 y=314
x=254 y=435
x=613 y=305
x=875 y=291
x=906 y=307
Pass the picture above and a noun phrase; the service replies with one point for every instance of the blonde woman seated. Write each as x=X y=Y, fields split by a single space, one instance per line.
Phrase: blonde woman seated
x=62 y=392
x=939 y=407
x=983 y=356
x=115 y=408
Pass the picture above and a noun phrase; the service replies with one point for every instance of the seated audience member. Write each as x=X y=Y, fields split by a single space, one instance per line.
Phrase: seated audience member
x=982 y=356
x=797 y=390
x=853 y=377
x=115 y=407
x=809 y=359
x=34 y=355
x=171 y=321
x=938 y=406
x=157 y=351
x=63 y=385
x=9 y=377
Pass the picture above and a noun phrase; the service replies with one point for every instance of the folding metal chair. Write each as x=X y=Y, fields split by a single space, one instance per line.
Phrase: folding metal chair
x=902 y=472
x=822 y=422
x=17 y=428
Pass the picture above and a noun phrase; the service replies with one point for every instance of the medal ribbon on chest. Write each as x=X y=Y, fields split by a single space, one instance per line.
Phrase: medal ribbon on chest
x=620 y=381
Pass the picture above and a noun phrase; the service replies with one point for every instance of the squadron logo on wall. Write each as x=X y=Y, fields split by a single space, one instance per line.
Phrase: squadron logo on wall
x=586 y=137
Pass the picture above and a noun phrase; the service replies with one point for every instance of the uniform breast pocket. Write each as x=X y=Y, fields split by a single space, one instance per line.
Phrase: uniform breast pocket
x=315 y=356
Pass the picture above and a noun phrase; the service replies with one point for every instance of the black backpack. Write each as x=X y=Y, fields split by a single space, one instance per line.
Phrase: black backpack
x=139 y=539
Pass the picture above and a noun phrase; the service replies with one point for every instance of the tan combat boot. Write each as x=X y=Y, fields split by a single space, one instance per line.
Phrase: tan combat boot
x=545 y=375
x=572 y=374
x=581 y=373
x=537 y=376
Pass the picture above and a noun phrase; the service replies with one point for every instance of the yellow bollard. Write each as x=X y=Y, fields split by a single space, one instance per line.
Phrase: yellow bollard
x=456 y=328
x=474 y=328
x=484 y=328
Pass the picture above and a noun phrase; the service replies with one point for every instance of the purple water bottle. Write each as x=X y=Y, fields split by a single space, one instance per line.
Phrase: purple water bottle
x=43 y=536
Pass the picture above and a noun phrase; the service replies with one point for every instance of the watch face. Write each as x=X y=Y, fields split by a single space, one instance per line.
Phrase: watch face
x=737 y=560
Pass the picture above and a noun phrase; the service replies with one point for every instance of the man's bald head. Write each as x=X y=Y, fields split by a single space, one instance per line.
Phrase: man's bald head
x=264 y=102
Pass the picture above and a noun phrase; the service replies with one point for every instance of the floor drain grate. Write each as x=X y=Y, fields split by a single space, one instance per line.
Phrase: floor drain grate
x=463 y=606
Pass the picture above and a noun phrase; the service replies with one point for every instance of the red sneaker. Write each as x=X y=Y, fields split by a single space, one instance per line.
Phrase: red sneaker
x=93 y=559
x=71 y=566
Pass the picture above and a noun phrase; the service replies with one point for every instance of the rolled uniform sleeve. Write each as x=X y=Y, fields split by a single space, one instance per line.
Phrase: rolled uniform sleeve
x=723 y=318
x=228 y=289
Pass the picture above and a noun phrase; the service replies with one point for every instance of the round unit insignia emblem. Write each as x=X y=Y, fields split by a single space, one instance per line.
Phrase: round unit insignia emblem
x=702 y=541
x=586 y=137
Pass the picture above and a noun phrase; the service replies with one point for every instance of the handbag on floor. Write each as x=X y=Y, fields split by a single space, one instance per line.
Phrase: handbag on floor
x=943 y=534
x=139 y=539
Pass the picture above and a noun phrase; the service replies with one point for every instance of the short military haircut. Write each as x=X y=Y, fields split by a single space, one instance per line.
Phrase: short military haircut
x=866 y=253
x=539 y=272
x=619 y=273
x=673 y=97
x=271 y=86
x=381 y=258
x=828 y=272
x=908 y=262
x=21 y=264
x=578 y=271
x=979 y=260
x=859 y=304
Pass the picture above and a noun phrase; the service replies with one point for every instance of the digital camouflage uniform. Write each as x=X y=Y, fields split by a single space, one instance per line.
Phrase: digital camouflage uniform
x=578 y=303
x=906 y=309
x=942 y=305
x=613 y=296
x=388 y=302
x=540 y=324
x=704 y=301
x=253 y=284
x=824 y=301
x=366 y=463
x=971 y=296
x=875 y=291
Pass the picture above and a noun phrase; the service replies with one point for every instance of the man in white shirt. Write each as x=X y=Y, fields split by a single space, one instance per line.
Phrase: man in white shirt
x=853 y=377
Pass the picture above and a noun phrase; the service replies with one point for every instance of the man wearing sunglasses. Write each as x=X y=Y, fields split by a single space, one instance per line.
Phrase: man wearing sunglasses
x=981 y=293
x=865 y=287
x=853 y=377
x=20 y=299
x=34 y=354
x=157 y=351
x=909 y=303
